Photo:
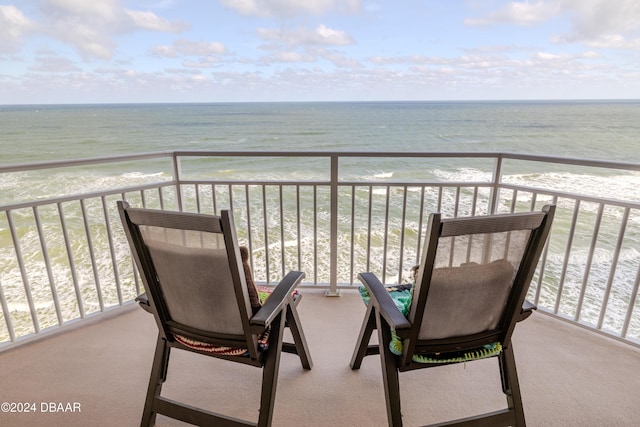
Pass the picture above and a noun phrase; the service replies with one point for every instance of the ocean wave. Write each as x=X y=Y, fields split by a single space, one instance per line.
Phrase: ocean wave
x=463 y=175
x=140 y=175
x=383 y=175
x=624 y=186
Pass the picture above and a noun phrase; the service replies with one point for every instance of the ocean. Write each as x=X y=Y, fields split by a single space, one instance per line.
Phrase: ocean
x=586 y=129
x=600 y=130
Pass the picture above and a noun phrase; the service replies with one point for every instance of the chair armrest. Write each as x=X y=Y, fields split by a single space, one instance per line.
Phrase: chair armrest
x=527 y=310
x=277 y=300
x=143 y=301
x=388 y=308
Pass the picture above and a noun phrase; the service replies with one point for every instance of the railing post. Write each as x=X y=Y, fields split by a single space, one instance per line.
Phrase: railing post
x=177 y=178
x=497 y=179
x=333 y=239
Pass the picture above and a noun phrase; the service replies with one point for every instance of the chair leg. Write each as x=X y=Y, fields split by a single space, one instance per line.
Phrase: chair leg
x=368 y=325
x=511 y=386
x=389 y=373
x=302 y=349
x=270 y=372
x=156 y=379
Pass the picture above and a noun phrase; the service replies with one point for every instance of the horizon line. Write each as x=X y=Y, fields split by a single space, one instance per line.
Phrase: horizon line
x=531 y=100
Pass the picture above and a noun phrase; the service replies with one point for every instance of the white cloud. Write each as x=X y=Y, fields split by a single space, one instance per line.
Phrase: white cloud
x=593 y=18
x=603 y=24
x=207 y=62
x=13 y=26
x=480 y=67
x=89 y=26
x=182 y=47
x=54 y=64
x=339 y=60
x=614 y=41
x=595 y=23
x=322 y=35
x=89 y=40
x=519 y=13
x=105 y=8
x=290 y=8
x=288 y=56
x=150 y=21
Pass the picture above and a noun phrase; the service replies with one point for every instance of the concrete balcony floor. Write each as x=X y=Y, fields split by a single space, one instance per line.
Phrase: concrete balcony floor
x=569 y=377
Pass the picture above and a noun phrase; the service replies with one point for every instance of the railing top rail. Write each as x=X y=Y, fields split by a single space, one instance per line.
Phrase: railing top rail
x=83 y=196
x=573 y=161
x=397 y=154
x=23 y=167
x=423 y=154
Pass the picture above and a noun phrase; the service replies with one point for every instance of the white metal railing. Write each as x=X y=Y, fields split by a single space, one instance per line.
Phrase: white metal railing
x=64 y=256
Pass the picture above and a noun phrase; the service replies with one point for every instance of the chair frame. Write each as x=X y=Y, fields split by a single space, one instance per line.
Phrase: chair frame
x=382 y=314
x=277 y=312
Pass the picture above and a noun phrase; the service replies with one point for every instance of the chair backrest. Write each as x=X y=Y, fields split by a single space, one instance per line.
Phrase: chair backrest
x=192 y=271
x=473 y=279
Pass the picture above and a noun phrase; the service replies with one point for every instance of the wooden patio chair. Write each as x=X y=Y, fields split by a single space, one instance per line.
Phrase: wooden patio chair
x=468 y=295
x=197 y=290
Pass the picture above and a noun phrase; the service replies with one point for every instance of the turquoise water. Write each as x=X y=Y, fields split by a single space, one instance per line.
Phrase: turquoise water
x=604 y=130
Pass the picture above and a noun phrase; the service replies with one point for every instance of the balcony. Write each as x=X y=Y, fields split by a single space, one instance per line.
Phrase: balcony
x=70 y=333
x=569 y=376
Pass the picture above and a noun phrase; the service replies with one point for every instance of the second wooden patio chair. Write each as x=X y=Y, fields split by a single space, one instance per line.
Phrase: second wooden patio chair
x=468 y=295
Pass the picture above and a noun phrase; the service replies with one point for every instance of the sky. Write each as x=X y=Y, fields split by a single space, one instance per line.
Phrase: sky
x=123 y=51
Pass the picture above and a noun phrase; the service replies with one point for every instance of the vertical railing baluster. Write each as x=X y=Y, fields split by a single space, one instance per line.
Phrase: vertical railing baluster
x=614 y=266
x=333 y=232
x=112 y=250
x=456 y=208
x=402 y=233
x=567 y=255
x=23 y=272
x=452 y=250
x=353 y=234
x=534 y=199
x=514 y=200
x=420 y=221
x=7 y=314
x=213 y=199
x=587 y=269
x=94 y=267
x=249 y=231
x=197 y=190
x=385 y=239
x=315 y=234
x=177 y=179
x=134 y=268
x=369 y=228
x=474 y=201
x=72 y=265
x=494 y=197
x=543 y=262
x=266 y=232
x=47 y=263
x=160 y=198
x=282 y=240
x=298 y=227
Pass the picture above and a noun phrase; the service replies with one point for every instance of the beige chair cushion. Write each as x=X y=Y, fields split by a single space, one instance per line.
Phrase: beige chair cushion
x=467 y=299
